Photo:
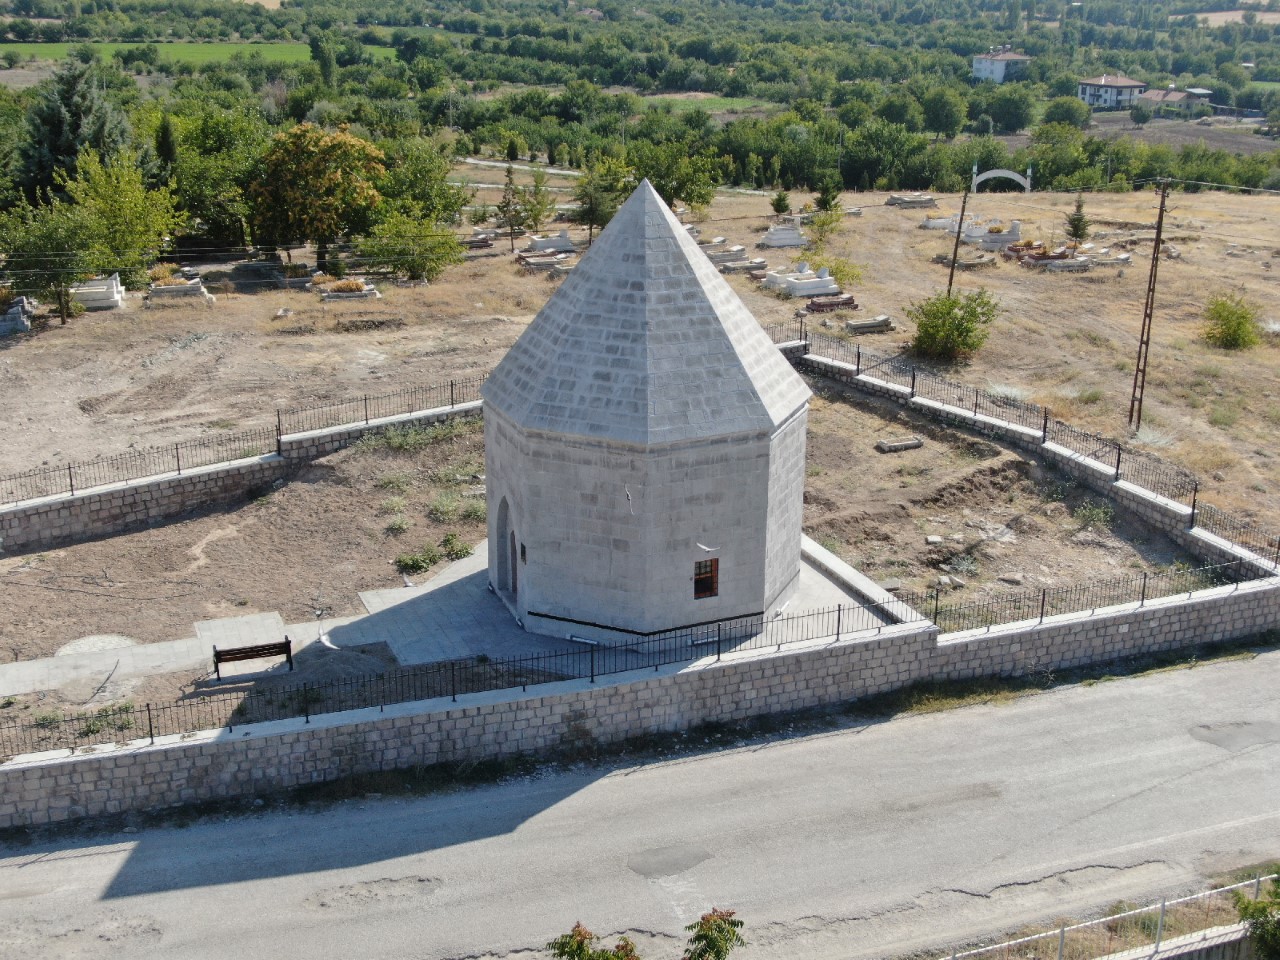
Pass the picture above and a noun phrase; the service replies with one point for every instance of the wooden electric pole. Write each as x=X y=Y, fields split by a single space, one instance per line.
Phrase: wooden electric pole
x=1144 y=339
x=955 y=250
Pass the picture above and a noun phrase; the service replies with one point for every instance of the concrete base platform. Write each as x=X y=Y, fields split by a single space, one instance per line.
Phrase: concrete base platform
x=451 y=616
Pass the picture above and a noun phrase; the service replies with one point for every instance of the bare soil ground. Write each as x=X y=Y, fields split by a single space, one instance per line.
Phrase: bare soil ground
x=1221 y=133
x=1216 y=18
x=150 y=377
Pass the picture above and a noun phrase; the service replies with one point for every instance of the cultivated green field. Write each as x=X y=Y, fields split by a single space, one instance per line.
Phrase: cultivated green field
x=193 y=53
x=681 y=103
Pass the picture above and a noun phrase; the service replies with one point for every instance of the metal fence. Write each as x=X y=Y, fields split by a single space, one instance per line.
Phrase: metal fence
x=366 y=408
x=272 y=700
x=224 y=447
x=1136 y=466
x=50 y=730
x=1265 y=543
x=1050 y=602
x=134 y=465
x=1127 y=928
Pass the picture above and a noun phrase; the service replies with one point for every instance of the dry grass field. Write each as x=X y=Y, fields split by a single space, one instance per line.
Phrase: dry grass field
x=142 y=377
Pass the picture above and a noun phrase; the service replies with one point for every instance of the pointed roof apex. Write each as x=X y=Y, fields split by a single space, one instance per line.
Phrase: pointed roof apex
x=645 y=343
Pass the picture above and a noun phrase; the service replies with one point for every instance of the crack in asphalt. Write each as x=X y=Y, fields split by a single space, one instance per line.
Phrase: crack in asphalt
x=1055 y=875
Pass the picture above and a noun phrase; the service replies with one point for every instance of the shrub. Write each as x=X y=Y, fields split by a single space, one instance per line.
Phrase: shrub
x=397 y=525
x=1230 y=322
x=1094 y=513
x=443 y=509
x=475 y=511
x=170 y=281
x=391 y=505
x=454 y=548
x=161 y=271
x=399 y=482
x=1262 y=917
x=419 y=562
x=952 y=326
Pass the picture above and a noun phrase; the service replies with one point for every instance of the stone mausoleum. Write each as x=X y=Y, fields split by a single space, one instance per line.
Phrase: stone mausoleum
x=644 y=446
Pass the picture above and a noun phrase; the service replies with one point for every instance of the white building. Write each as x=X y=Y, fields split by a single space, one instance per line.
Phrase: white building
x=1000 y=64
x=644 y=446
x=1110 y=92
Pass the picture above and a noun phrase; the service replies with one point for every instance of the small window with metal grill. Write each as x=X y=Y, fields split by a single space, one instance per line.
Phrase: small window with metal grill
x=706 y=578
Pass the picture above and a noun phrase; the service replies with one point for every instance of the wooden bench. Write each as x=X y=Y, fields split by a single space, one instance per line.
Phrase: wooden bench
x=282 y=649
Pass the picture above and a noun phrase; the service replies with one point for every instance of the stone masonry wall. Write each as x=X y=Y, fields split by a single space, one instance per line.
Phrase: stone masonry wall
x=115 y=508
x=252 y=760
x=284 y=754
x=1167 y=516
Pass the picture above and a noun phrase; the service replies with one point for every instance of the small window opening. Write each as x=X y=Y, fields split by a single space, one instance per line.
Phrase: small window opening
x=706 y=579
x=523 y=556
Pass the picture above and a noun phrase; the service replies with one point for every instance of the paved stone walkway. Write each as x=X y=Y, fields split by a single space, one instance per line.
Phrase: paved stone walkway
x=452 y=615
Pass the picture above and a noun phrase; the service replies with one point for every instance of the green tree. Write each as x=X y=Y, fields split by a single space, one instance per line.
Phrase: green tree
x=1262 y=917
x=714 y=935
x=510 y=213
x=46 y=251
x=1140 y=114
x=902 y=109
x=1230 y=322
x=1077 y=223
x=405 y=246
x=126 y=225
x=71 y=112
x=599 y=192
x=675 y=174
x=828 y=198
x=944 y=112
x=217 y=157
x=822 y=225
x=313 y=185
x=416 y=182
x=952 y=326
x=580 y=944
x=1011 y=107
x=1069 y=110
x=536 y=201
x=166 y=149
x=780 y=203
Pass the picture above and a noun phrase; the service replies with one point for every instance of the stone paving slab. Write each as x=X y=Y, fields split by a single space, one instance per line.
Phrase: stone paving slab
x=451 y=616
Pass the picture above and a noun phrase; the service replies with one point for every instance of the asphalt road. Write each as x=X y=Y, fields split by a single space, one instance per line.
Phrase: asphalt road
x=869 y=841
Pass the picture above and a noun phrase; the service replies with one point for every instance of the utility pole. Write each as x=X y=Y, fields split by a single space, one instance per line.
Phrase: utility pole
x=1144 y=339
x=955 y=249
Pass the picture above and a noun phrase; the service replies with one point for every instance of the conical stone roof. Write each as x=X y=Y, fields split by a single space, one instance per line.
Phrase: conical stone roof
x=645 y=343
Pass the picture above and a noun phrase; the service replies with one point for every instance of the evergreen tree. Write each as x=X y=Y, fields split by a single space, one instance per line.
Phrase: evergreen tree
x=1077 y=223
x=71 y=113
x=510 y=214
x=166 y=150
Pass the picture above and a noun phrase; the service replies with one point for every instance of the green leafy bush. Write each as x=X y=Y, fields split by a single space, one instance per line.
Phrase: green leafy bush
x=952 y=327
x=419 y=562
x=454 y=548
x=1230 y=322
x=1262 y=917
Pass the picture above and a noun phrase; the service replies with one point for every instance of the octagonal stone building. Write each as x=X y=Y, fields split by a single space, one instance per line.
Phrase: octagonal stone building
x=644 y=446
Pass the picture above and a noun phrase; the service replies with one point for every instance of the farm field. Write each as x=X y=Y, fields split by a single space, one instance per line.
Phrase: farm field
x=138 y=378
x=1216 y=18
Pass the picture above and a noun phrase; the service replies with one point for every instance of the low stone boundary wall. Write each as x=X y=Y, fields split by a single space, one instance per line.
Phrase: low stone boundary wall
x=275 y=756
x=251 y=760
x=1167 y=516
x=117 y=507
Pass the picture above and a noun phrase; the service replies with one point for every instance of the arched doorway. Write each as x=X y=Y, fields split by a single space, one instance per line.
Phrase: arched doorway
x=515 y=568
x=503 y=543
